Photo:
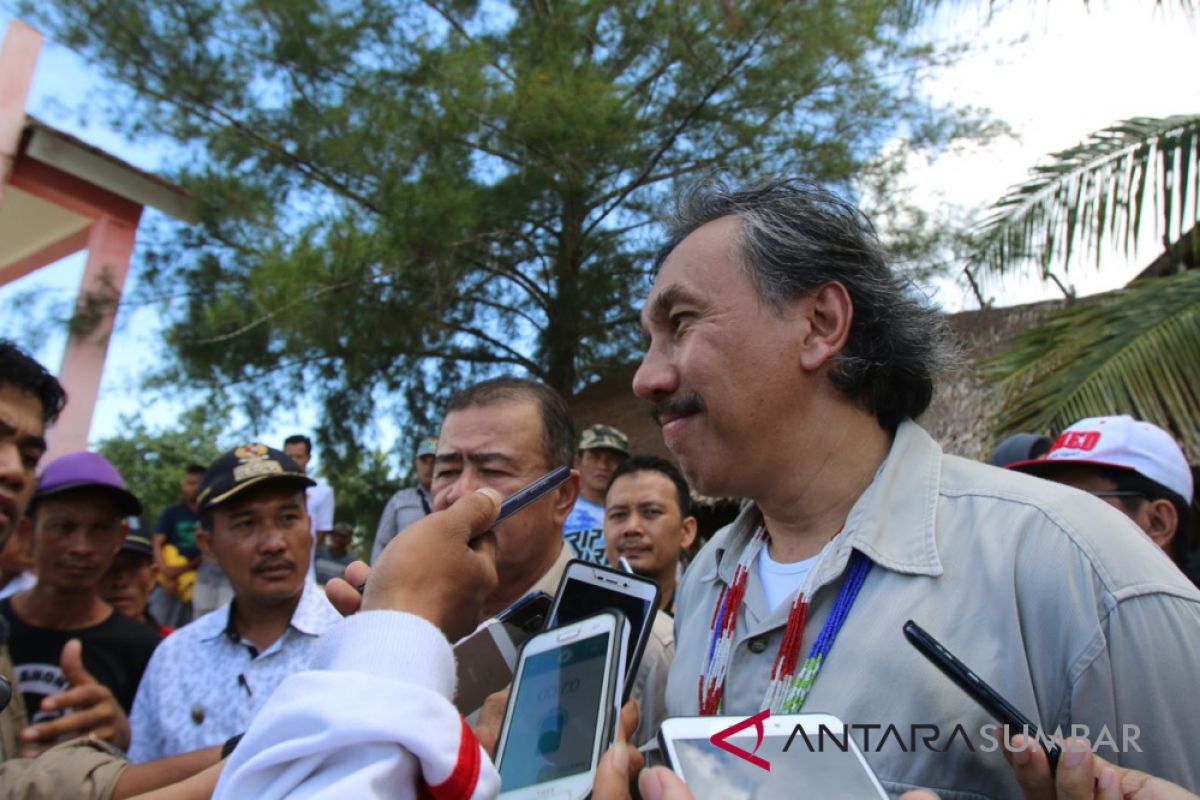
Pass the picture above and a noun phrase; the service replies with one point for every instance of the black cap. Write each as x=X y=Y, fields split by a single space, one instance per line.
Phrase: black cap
x=246 y=466
x=139 y=544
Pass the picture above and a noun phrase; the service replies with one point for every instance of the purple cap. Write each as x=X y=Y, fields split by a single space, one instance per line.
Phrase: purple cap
x=85 y=469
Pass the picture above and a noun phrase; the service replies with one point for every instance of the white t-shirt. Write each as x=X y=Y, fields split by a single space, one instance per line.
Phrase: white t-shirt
x=320 y=516
x=781 y=581
x=320 y=506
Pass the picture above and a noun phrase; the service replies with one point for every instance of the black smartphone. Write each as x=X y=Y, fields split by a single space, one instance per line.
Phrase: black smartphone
x=976 y=687
x=485 y=660
x=587 y=589
x=525 y=617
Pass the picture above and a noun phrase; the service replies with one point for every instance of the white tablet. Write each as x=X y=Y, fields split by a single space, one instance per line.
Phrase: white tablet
x=809 y=755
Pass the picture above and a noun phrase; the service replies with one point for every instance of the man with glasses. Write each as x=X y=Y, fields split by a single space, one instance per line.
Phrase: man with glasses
x=1132 y=465
x=208 y=679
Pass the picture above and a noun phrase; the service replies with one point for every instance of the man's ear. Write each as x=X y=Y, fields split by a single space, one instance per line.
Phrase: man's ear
x=565 y=496
x=204 y=542
x=689 y=533
x=829 y=313
x=1162 y=520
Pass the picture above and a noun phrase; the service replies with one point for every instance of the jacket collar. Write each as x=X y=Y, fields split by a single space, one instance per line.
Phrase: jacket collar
x=892 y=522
x=549 y=582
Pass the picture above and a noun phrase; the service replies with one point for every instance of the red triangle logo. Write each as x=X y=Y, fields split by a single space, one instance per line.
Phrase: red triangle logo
x=719 y=739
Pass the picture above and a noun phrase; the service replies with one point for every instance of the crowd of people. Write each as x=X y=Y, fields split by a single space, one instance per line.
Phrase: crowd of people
x=231 y=650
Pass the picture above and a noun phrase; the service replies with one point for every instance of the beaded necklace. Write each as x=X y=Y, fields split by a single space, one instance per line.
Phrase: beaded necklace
x=787 y=689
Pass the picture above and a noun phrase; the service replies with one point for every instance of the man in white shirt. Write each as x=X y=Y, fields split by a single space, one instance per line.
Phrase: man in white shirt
x=319 y=497
x=1134 y=466
x=375 y=710
x=207 y=680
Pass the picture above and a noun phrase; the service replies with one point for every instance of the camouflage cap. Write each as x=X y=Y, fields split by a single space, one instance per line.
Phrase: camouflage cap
x=427 y=447
x=598 y=436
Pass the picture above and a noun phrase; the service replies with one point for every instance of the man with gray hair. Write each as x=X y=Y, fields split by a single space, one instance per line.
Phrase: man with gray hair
x=786 y=363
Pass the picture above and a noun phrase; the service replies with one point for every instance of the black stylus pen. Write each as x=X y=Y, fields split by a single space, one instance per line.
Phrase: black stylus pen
x=534 y=491
x=975 y=686
x=523 y=497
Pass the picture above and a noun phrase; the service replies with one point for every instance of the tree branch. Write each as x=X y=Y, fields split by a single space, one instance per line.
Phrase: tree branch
x=686 y=122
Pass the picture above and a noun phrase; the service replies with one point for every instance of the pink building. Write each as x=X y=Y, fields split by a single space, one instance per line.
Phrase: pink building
x=58 y=196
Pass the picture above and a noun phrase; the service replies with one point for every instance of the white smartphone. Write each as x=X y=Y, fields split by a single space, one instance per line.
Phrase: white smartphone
x=563 y=709
x=587 y=588
x=809 y=755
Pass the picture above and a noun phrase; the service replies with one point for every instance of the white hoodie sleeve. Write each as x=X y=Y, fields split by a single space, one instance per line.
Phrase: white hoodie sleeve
x=371 y=718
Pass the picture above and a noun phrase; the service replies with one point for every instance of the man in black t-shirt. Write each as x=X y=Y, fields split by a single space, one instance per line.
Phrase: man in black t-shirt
x=78 y=512
x=176 y=554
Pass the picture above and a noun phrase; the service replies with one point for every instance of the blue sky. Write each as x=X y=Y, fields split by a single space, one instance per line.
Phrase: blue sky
x=1053 y=71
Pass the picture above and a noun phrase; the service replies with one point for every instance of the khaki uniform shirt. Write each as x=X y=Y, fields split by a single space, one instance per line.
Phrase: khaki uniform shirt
x=1050 y=595
x=81 y=769
x=650 y=683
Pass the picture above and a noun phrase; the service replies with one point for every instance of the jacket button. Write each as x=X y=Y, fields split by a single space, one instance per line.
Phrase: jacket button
x=758 y=644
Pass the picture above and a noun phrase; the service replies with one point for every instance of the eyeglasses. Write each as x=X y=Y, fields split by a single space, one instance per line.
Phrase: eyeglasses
x=1115 y=493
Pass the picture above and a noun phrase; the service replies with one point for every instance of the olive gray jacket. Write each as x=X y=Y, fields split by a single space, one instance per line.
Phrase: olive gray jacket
x=1050 y=595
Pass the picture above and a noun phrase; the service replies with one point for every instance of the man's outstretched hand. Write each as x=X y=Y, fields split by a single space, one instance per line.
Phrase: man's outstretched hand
x=441 y=567
x=91 y=709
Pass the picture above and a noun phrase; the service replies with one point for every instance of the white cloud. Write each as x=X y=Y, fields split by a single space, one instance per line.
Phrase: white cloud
x=1054 y=72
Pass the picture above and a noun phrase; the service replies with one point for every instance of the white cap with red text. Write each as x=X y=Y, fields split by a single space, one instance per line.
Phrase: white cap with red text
x=1123 y=443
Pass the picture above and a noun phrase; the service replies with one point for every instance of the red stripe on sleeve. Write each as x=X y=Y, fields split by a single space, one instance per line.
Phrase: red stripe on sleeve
x=464 y=777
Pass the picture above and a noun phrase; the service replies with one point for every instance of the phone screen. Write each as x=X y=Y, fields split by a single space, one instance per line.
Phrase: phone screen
x=713 y=773
x=553 y=726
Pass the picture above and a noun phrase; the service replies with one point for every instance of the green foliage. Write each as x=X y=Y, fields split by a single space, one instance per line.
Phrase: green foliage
x=397 y=197
x=1133 y=352
x=1095 y=193
x=1136 y=351
x=153 y=462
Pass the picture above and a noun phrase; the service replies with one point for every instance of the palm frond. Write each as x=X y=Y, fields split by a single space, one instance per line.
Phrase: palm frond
x=1096 y=192
x=1135 y=351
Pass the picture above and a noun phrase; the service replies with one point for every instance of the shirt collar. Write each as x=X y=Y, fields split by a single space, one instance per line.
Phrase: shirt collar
x=892 y=522
x=549 y=582
x=308 y=618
